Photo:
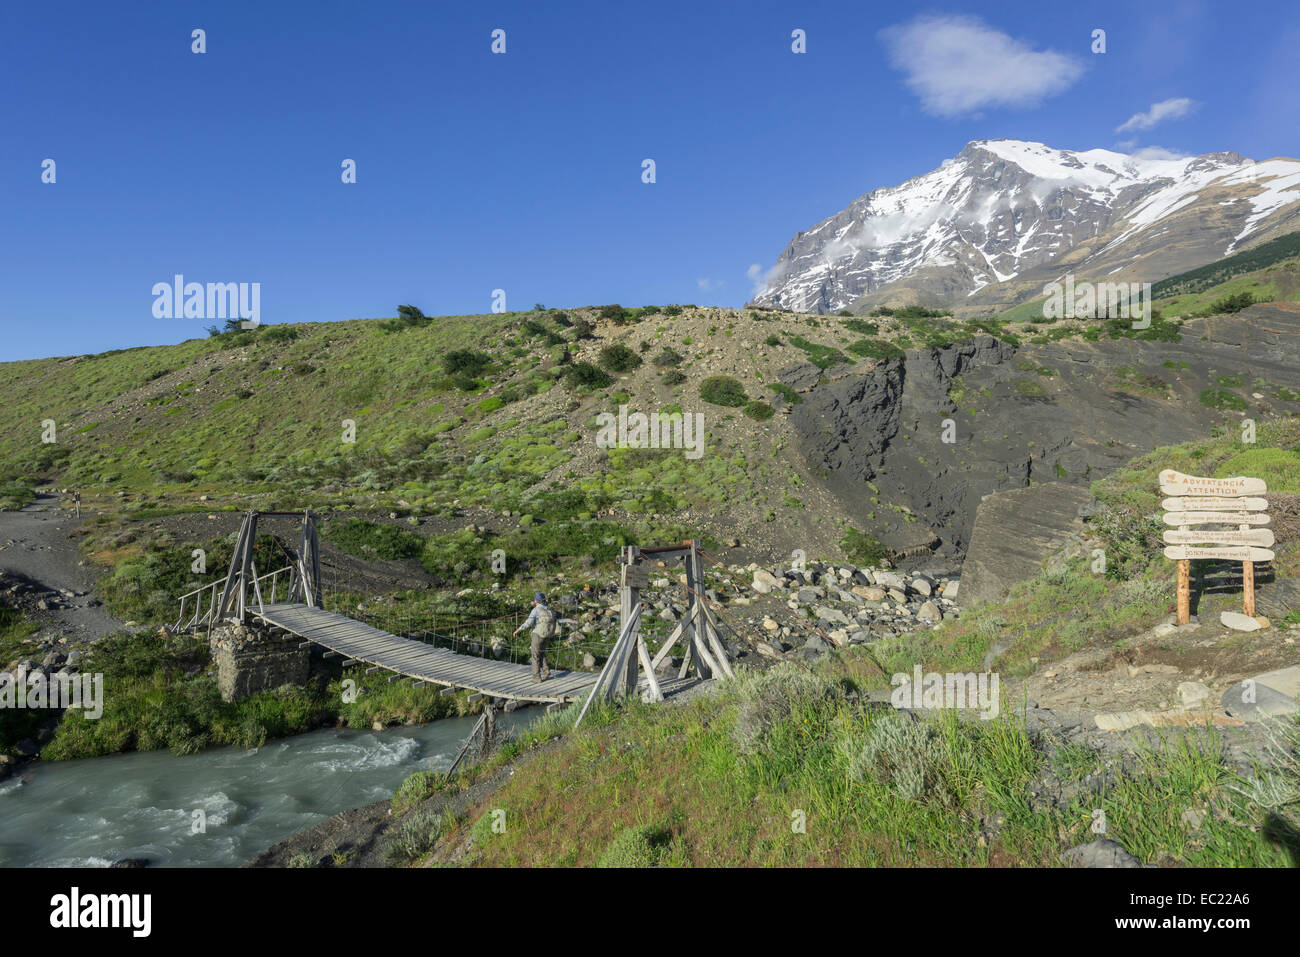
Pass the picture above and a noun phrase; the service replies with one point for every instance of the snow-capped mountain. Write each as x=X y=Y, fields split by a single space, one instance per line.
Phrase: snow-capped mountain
x=990 y=227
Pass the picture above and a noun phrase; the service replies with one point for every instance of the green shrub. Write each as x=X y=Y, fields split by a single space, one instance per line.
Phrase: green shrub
x=876 y=349
x=668 y=357
x=861 y=327
x=365 y=539
x=821 y=356
x=415 y=789
x=619 y=358
x=415 y=836
x=723 y=390
x=862 y=548
x=1222 y=399
x=767 y=698
x=759 y=410
x=638 y=846
x=1231 y=304
x=674 y=377
x=787 y=393
x=583 y=377
x=465 y=362
x=910 y=756
x=773 y=340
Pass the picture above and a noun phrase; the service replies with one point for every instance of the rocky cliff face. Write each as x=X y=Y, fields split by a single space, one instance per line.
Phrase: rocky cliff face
x=990 y=227
x=911 y=446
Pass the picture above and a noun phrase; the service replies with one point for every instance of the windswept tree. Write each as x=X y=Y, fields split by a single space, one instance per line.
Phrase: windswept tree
x=411 y=315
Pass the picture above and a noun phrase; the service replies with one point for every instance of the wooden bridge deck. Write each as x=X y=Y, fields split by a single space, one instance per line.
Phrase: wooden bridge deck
x=415 y=659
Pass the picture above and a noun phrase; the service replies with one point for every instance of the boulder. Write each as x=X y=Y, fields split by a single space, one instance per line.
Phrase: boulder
x=1015 y=532
x=891 y=580
x=1193 y=694
x=765 y=581
x=929 y=611
x=826 y=613
x=1279 y=598
x=1103 y=853
x=870 y=592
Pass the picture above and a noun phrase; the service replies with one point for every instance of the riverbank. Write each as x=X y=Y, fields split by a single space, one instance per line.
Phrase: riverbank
x=798 y=767
x=216 y=808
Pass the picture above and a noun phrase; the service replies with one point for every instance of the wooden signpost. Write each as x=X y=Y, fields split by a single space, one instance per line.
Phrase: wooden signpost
x=1198 y=500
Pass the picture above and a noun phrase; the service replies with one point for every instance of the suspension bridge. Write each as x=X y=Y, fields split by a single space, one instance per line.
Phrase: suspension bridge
x=245 y=597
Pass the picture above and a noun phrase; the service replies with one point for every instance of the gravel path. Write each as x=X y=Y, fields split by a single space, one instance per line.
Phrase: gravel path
x=36 y=546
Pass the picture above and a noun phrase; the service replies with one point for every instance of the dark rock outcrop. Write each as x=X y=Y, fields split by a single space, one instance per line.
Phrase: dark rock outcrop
x=1015 y=532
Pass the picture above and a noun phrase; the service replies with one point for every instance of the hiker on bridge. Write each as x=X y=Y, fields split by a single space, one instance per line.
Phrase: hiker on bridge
x=543 y=620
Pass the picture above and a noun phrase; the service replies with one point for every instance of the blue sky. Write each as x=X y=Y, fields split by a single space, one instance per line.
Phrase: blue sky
x=523 y=171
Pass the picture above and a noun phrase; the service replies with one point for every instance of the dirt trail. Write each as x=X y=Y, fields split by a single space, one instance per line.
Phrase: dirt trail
x=37 y=547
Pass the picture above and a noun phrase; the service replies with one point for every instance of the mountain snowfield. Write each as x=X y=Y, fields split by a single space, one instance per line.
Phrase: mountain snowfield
x=990 y=227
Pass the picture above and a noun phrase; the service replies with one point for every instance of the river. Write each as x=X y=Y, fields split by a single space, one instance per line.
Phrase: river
x=92 y=812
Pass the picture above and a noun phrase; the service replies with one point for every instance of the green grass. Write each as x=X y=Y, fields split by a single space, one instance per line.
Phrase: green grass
x=819 y=355
x=875 y=349
x=371 y=540
x=862 y=548
x=1223 y=400
x=161 y=693
x=17 y=725
x=782 y=769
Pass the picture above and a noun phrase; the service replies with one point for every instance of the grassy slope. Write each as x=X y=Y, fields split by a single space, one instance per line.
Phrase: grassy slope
x=1062 y=611
x=1270 y=272
x=15 y=725
x=783 y=769
x=256 y=420
x=717 y=781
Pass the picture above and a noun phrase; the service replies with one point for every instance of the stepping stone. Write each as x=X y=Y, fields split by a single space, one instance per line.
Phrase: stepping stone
x=1267 y=702
x=1238 y=622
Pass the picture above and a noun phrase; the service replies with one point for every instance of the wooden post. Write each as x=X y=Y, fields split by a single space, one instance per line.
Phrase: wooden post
x=694 y=630
x=655 y=693
x=1248 y=591
x=629 y=596
x=1184 y=591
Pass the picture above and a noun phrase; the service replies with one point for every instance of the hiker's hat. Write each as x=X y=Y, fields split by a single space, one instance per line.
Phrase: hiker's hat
x=539 y=597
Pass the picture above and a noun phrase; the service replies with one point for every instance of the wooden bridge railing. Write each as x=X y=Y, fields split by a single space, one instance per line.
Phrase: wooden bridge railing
x=199 y=617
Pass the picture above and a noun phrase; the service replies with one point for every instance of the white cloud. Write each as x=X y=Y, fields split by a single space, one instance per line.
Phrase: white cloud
x=959 y=64
x=762 y=278
x=709 y=285
x=1170 y=109
x=1158 y=153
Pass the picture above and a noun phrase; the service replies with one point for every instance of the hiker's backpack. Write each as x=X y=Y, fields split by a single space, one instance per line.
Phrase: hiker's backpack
x=545 y=627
